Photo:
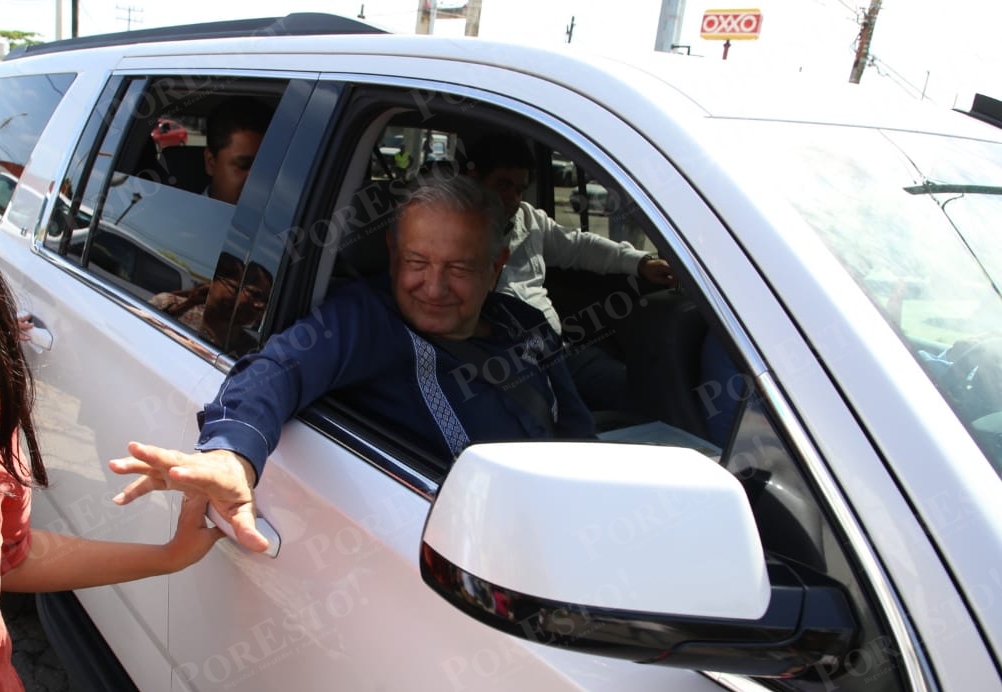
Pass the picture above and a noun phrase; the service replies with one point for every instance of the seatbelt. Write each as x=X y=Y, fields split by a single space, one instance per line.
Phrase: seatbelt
x=524 y=394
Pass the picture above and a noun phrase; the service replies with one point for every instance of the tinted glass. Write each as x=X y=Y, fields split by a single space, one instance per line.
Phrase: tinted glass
x=25 y=109
x=142 y=210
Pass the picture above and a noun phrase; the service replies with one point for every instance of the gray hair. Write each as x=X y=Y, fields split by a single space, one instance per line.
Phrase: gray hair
x=461 y=193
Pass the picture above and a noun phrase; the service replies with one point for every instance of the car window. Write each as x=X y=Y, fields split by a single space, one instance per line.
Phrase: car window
x=581 y=201
x=142 y=212
x=25 y=109
x=605 y=309
x=405 y=149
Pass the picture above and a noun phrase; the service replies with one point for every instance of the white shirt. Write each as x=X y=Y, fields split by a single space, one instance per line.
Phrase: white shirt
x=538 y=241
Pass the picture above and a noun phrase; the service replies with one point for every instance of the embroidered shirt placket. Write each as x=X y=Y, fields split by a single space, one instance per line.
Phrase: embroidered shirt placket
x=434 y=398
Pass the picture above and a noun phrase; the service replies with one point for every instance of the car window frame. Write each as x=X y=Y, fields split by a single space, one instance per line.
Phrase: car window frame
x=248 y=215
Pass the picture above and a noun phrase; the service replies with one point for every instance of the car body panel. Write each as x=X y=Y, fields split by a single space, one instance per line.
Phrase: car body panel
x=131 y=383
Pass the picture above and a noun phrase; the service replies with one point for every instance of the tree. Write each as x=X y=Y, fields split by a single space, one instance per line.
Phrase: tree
x=19 y=38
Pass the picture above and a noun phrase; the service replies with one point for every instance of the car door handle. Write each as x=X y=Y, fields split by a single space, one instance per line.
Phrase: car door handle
x=39 y=337
x=263 y=526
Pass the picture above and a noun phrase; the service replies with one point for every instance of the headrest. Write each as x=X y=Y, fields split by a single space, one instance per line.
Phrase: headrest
x=185 y=168
x=361 y=228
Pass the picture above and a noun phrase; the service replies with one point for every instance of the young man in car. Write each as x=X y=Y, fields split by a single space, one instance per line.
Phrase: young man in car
x=423 y=350
x=234 y=131
x=233 y=135
x=505 y=164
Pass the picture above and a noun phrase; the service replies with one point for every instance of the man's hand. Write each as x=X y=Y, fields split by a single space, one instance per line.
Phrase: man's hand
x=226 y=477
x=657 y=271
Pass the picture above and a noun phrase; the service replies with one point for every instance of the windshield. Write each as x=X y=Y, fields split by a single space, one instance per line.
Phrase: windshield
x=915 y=220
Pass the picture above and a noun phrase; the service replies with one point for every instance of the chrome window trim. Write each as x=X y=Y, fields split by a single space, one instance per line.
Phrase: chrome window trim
x=130 y=303
x=277 y=74
x=918 y=670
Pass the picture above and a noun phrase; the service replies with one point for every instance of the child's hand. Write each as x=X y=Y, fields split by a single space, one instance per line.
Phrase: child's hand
x=24 y=325
x=193 y=537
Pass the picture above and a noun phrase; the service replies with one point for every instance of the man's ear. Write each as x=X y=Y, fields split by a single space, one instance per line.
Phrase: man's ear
x=499 y=263
x=391 y=246
x=210 y=162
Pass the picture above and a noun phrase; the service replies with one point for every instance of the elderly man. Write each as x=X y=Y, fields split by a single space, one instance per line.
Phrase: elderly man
x=413 y=348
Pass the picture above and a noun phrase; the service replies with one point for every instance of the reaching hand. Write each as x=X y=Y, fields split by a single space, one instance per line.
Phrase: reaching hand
x=192 y=537
x=657 y=271
x=225 y=477
x=25 y=325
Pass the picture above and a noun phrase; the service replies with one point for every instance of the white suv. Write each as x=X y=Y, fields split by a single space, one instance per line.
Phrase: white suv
x=845 y=533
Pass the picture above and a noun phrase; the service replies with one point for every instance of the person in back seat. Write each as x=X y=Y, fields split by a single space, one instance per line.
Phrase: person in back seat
x=233 y=136
x=234 y=132
x=504 y=163
x=430 y=350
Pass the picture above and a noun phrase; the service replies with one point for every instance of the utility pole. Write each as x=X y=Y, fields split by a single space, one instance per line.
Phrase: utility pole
x=473 y=17
x=426 y=16
x=570 y=30
x=669 y=25
x=74 y=18
x=865 y=36
x=128 y=16
x=361 y=12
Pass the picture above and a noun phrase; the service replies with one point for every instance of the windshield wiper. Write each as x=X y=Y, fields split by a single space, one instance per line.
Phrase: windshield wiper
x=928 y=188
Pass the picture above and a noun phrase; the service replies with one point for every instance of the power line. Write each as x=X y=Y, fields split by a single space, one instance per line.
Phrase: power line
x=128 y=19
x=885 y=70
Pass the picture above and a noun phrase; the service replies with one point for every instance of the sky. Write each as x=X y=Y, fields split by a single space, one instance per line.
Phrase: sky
x=943 y=52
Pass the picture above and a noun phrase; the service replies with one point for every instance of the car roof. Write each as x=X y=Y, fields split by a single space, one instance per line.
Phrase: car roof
x=644 y=87
x=683 y=85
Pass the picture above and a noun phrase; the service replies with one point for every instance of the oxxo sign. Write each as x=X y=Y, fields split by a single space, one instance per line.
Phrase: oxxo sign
x=731 y=25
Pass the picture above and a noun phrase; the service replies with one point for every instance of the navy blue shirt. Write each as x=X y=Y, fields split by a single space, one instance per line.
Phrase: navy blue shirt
x=357 y=346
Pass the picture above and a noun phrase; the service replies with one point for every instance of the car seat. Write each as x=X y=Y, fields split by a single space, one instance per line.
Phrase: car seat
x=360 y=229
x=664 y=357
x=185 y=168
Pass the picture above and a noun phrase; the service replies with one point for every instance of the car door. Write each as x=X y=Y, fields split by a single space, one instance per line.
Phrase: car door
x=118 y=368
x=84 y=366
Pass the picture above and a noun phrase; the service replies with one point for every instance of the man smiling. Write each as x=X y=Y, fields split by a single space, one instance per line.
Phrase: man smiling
x=429 y=351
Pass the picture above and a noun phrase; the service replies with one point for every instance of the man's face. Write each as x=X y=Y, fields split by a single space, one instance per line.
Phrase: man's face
x=510 y=184
x=442 y=270
x=228 y=168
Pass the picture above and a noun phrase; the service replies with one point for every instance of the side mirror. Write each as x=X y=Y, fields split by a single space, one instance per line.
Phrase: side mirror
x=629 y=551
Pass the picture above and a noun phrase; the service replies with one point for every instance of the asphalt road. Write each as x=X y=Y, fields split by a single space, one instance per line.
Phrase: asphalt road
x=35 y=661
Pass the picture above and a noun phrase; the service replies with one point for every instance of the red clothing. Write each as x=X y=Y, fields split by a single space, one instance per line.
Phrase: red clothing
x=15 y=526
